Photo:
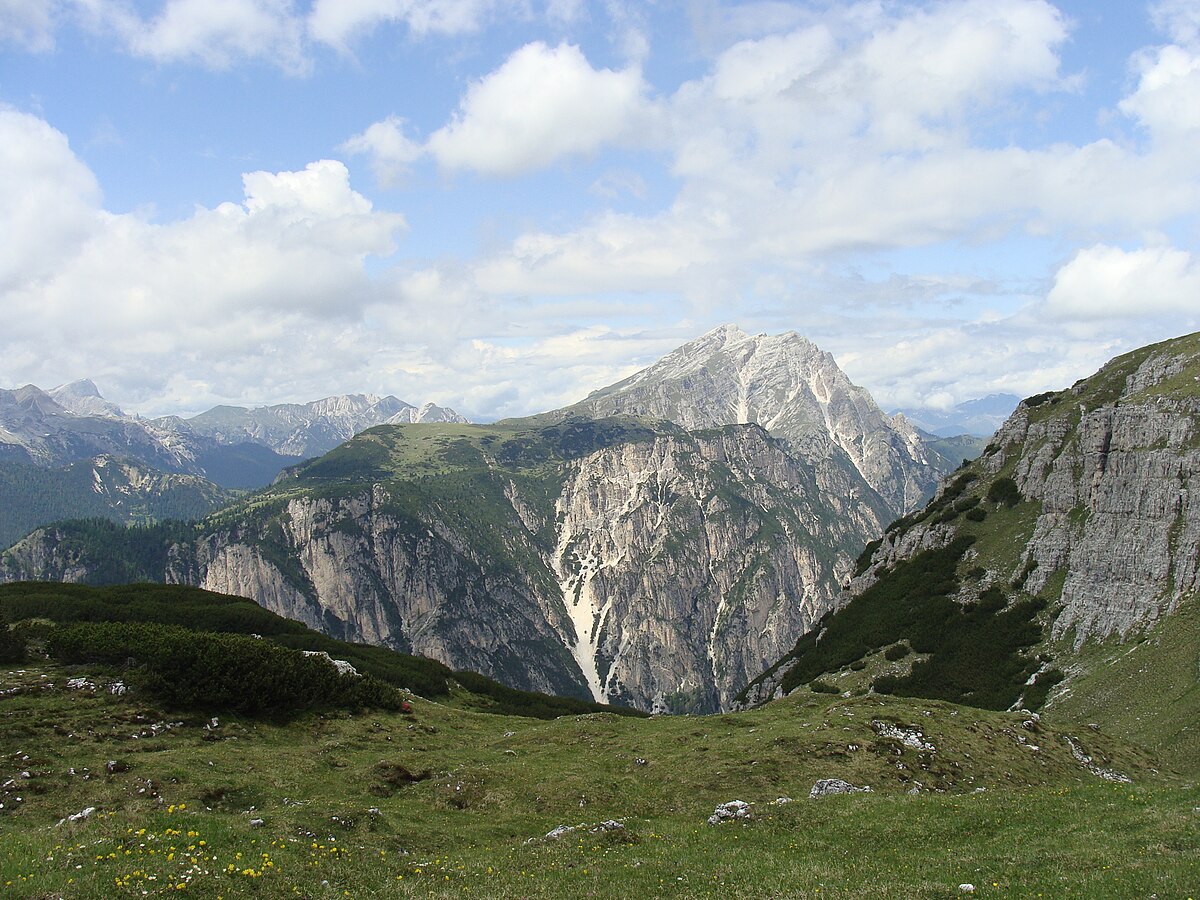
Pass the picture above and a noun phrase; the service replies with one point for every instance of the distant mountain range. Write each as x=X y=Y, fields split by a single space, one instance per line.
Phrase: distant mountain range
x=979 y=417
x=69 y=453
x=233 y=446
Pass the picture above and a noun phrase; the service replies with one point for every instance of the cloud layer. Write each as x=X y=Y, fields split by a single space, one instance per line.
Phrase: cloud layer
x=866 y=173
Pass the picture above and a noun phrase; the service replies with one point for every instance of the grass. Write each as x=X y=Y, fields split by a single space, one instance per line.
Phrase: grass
x=1147 y=688
x=450 y=803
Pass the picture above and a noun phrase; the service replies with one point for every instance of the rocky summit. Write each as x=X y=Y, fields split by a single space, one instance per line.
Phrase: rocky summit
x=794 y=390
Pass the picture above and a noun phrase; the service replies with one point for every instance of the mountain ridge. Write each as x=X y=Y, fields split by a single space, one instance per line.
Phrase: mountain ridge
x=1080 y=512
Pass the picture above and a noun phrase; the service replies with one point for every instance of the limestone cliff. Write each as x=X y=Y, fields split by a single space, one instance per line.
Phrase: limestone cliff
x=1083 y=502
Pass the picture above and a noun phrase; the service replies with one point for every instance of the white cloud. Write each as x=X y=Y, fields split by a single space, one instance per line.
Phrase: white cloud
x=1178 y=18
x=48 y=199
x=1108 y=282
x=389 y=150
x=338 y=22
x=29 y=23
x=213 y=33
x=542 y=105
x=1167 y=99
x=263 y=291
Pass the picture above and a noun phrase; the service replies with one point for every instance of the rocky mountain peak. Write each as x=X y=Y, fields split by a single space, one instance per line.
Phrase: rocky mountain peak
x=82 y=398
x=792 y=388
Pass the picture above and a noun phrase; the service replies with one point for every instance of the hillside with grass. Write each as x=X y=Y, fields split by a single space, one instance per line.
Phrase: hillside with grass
x=108 y=793
x=189 y=647
x=1057 y=571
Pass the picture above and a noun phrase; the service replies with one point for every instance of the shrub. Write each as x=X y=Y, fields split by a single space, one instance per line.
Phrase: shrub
x=1004 y=491
x=1039 y=399
x=201 y=670
x=978 y=514
x=897 y=651
x=12 y=647
x=1035 y=695
x=823 y=687
x=864 y=558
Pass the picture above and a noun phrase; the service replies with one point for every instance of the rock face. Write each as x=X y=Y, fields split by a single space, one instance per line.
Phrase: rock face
x=794 y=390
x=1083 y=502
x=657 y=568
x=685 y=563
x=1116 y=481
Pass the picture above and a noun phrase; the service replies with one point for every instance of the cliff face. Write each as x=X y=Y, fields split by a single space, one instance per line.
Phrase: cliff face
x=661 y=571
x=688 y=563
x=1084 y=500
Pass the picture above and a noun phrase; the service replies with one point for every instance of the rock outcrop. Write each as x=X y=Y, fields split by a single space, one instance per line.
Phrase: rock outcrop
x=1113 y=464
x=1081 y=506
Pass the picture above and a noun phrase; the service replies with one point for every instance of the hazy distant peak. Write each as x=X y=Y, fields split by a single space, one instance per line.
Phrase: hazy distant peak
x=83 y=387
x=82 y=398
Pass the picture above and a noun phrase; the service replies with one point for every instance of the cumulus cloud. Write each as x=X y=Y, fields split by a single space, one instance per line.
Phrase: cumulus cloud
x=542 y=105
x=390 y=151
x=275 y=283
x=1109 y=282
x=48 y=199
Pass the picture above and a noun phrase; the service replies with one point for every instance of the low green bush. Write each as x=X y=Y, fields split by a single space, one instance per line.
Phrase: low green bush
x=1004 y=491
x=896 y=652
x=202 y=670
x=12 y=646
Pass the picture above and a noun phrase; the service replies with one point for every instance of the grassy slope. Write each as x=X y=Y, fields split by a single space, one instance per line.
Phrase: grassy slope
x=1147 y=688
x=337 y=807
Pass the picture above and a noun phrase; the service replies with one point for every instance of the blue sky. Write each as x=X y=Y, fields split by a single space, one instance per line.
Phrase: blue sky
x=500 y=205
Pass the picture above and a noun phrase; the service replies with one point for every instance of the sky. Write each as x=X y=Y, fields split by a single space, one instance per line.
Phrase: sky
x=501 y=205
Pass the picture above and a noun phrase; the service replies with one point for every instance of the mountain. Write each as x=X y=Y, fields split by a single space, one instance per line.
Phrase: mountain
x=794 y=390
x=309 y=429
x=1061 y=564
x=980 y=417
x=82 y=398
x=37 y=429
x=617 y=559
x=103 y=487
x=232 y=446
x=658 y=544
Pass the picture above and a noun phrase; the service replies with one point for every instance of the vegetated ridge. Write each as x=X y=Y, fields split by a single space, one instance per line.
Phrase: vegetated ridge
x=1062 y=567
x=191 y=648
